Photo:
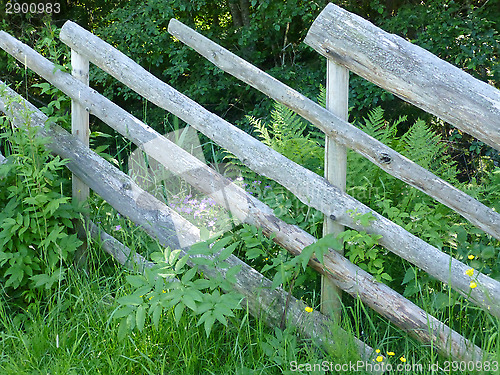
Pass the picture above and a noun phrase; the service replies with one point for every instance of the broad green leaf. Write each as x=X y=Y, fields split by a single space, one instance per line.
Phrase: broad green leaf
x=122 y=311
x=130 y=299
x=189 y=275
x=220 y=244
x=189 y=302
x=220 y=316
x=226 y=252
x=181 y=263
x=409 y=275
x=232 y=272
x=156 y=315
x=202 y=261
x=136 y=280
x=123 y=329
x=209 y=322
x=140 y=317
x=178 y=310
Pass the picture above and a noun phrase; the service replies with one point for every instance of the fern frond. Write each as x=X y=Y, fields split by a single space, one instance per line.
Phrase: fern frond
x=286 y=123
x=260 y=129
x=425 y=147
x=322 y=96
x=420 y=144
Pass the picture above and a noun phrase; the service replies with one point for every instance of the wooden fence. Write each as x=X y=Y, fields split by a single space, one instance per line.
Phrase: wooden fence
x=160 y=221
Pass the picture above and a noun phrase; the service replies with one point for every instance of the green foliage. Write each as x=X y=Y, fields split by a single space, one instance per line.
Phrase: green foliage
x=419 y=144
x=140 y=31
x=169 y=285
x=288 y=134
x=36 y=218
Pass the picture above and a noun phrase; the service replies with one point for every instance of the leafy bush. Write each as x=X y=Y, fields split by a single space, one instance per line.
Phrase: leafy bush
x=36 y=218
x=169 y=285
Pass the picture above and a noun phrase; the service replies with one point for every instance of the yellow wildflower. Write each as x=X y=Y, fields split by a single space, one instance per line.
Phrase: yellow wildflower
x=470 y=272
x=380 y=358
x=309 y=309
x=471 y=257
x=473 y=284
x=377 y=351
x=402 y=359
x=391 y=353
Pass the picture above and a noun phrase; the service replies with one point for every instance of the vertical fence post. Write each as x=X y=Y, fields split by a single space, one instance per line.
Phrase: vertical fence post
x=337 y=95
x=80 y=129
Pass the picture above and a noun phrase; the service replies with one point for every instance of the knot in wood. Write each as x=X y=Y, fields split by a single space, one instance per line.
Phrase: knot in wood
x=385 y=158
x=126 y=185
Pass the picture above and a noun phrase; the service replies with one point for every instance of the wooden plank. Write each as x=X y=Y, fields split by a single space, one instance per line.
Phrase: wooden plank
x=343 y=132
x=347 y=276
x=307 y=186
x=80 y=119
x=250 y=210
x=337 y=99
x=409 y=72
x=80 y=129
x=161 y=223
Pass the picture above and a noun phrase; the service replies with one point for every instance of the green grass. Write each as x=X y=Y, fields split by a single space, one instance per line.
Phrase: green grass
x=72 y=332
x=70 y=329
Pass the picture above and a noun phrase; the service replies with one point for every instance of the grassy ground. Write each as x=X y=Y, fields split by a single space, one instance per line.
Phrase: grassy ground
x=72 y=333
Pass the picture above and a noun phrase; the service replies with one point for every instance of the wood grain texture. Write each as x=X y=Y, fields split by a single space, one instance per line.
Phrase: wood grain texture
x=409 y=72
x=80 y=119
x=337 y=99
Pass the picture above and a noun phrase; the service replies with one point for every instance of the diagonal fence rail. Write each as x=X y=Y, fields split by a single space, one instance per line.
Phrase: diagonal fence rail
x=307 y=186
x=248 y=209
x=161 y=223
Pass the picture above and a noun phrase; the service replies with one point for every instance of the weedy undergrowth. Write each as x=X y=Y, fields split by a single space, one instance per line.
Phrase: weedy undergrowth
x=36 y=217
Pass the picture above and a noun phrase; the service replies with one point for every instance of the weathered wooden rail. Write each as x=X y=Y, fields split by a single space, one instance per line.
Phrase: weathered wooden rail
x=171 y=230
x=248 y=209
x=409 y=72
x=310 y=188
x=163 y=224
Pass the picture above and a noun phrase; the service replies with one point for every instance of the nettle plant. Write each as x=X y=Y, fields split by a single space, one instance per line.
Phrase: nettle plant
x=36 y=218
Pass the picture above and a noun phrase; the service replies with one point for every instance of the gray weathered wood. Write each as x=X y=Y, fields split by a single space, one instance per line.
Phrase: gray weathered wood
x=161 y=223
x=80 y=129
x=340 y=130
x=337 y=99
x=80 y=119
x=408 y=71
x=246 y=208
x=249 y=210
x=307 y=186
